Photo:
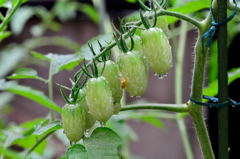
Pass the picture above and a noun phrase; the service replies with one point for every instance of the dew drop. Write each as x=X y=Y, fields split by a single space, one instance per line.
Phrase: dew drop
x=71 y=100
x=102 y=124
x=160 y=76
x=132 y=96
x=87 y=131
x=114 y=115
x=138 y=96
x=88 y=110
x=165 y=75
x=155 y=74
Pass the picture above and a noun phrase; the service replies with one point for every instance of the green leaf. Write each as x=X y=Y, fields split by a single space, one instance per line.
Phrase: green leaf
x=20 y=18
x=5 y=98
x=10 y=154
x=9 y=58
x=69 y=10
x=131 y=1
x=212 y=89
x=40 y=56
x=90 y=12
x=4 y=35
x=35 y=95
x=102 y=144
x=26 y=73
x=2 y=2
x=48 y=128
x=189 y=7
x=77 y=151
x=85 y=51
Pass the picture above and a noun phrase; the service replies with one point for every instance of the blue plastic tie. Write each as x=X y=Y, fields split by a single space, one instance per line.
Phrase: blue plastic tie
x=210 y=32
x=215 y=104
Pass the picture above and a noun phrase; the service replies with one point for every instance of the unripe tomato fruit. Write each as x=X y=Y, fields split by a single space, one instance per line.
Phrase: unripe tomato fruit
x=111 y=74
x=116 y=108
x=161 y=23
x=90 y=120
x=133 y=70
x=99 y=98
x=73 y=121
x=157 y=50
x=137 y=43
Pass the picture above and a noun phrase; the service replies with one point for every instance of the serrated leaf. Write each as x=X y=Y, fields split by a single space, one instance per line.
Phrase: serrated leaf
x=28 y=92
x=77 y=151
x=85 y=51
x=189 y=7
x=48 y=128
x=23 y=73
x=102 y=144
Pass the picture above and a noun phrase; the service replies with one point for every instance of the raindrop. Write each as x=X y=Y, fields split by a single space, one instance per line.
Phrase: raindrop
x=138 y=96
x=160 y=76
x=155 y=74
x=88 y=110
x=71 y=100
x=102 y=124
x=132 y=96
x=114 y=115
x=87 y=131
x=165 y=75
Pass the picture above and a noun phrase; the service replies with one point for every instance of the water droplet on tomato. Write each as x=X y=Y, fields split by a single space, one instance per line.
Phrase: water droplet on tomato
x=138 y=96
x=160 y=76
x=102 y=124
x=155 y=74
x=132 y=96
x=88 y=110
x=71 y=100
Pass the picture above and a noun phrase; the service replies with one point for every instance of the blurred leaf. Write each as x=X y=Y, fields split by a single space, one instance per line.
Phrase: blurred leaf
x=212 y=89
x=4 y=35
x=10 y=153
x=48 y=128
x=65 y=10
x=5 y=98
x=40 y=56
x=77 y=151
x=36 y=30
x=154 y=121
x=103 y=143
x=23 y=73
x=85 y=51
x=35 y=95
x=20 y=18
x=62 y=157
x=131 y=1
x=90 y=12
x=189 y=7
x=2 y=2
x=9 y=58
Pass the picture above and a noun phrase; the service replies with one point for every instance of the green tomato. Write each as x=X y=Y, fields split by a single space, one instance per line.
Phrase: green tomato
x=99 y=99
x=134 y=71
x=116 y=108
x=162 y=23
x=90 y=120
x=137 y=43
x=111 y=74
x=73 y=121
x=157 y=50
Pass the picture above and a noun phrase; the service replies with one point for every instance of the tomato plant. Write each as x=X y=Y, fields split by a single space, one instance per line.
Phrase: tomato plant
x=143 y=43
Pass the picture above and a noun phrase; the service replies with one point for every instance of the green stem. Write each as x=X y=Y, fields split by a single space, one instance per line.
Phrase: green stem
x=222 y=82
x=178 y=85
x=9 y=16
x=50 y=89
x=179 y=108
x=38 y=142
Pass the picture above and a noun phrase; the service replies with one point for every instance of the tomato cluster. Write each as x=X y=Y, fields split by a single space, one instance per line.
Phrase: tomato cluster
x=100 y=98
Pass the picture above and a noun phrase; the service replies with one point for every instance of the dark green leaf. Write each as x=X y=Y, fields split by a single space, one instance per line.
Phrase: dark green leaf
x=189 y=7
x=77 y=151
x=26 y=73
x=48 y=128
x=102 y=144
x=35 y=95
